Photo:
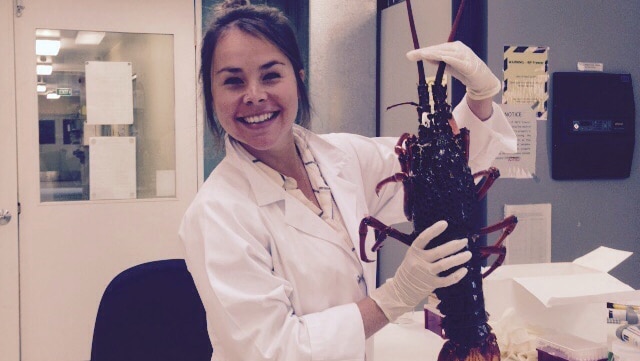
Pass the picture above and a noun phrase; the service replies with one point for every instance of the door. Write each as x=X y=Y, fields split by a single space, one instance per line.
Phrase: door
x=9 y=299
x=107 y=160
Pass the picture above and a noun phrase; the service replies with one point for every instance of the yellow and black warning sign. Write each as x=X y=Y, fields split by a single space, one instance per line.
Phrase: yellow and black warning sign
x=526 y=77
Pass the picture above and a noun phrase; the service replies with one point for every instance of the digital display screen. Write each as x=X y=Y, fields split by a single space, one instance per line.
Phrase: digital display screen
x=597 y=126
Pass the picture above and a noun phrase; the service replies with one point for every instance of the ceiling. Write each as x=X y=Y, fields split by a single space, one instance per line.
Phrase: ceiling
x=68 y=65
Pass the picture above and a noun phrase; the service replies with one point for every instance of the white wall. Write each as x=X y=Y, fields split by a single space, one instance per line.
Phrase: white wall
x=342 y=66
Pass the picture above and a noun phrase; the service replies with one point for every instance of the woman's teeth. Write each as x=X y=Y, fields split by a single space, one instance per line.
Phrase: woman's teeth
x=258 y=118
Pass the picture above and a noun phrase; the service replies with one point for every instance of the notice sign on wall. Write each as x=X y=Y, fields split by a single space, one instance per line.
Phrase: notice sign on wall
x=521 y=164
x=526 y=78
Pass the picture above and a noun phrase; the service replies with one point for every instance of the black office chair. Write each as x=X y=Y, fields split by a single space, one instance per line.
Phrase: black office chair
x=151 y=312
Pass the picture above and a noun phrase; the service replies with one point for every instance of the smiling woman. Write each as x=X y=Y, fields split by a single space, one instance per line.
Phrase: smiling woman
x=271 y=237
x=297 y=11
x=254 y=91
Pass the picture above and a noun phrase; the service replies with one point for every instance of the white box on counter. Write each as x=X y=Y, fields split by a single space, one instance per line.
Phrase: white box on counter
x=565 y=297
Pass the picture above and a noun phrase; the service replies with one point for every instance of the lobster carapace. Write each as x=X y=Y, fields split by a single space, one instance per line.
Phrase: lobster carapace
x=438 y=184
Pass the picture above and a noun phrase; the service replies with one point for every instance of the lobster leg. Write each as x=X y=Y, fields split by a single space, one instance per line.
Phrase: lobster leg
x=488 y=177
x=398 y=177
x=507 y=225
x=384 y=231
x=406 y=180
x=404 y=154
x=404 y=157
x=489 y=250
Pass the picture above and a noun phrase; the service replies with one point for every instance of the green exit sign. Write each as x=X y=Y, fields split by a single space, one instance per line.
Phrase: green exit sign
x=64 y=91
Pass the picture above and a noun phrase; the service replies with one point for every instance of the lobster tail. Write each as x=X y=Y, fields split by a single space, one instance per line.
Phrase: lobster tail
x=489 y=351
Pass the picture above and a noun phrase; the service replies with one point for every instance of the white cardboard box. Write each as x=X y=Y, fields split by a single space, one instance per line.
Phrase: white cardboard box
x=563 y=296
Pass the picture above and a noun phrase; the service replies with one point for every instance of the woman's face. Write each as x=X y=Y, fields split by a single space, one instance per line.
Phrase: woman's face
x=255 y=95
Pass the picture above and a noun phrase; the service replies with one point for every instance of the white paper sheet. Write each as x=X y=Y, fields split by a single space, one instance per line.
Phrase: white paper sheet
x=603 y=259
x=574 y=288
x=109 y=92
x=112 y=168
x=521 y=164
x=530 y=242
x=583 y=281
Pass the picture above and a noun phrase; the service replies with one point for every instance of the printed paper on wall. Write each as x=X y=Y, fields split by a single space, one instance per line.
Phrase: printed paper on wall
x=521 y=164
x=526 y=78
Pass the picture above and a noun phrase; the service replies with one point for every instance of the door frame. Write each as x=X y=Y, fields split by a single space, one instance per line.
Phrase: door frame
x=9 y=271
x=71 y=336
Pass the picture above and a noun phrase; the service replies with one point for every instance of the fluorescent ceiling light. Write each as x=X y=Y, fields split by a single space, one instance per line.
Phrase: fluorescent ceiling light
x=47 y=47
x=89 y=37
x=44 y=69
x=53 y=96
x=47 y=33
x=41 y=88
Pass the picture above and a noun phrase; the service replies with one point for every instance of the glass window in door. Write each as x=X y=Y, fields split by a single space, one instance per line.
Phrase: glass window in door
x=106 y=115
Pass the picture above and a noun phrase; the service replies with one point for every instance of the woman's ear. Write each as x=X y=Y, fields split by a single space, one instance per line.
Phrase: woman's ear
x=301 y=73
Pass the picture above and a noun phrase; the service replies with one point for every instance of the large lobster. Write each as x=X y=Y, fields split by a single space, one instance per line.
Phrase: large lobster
x=438 y=184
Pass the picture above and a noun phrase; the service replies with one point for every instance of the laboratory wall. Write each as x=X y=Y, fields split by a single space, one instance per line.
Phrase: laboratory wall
x=585 y=213
x=342 y=66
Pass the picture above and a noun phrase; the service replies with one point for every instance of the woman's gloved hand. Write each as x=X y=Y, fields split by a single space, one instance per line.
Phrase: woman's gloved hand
x=417 y=275
x=464 y=65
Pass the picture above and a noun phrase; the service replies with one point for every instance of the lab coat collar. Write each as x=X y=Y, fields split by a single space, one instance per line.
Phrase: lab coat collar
x=297 y=214
x=264 y=190
x=330 y=158
x=332 y=162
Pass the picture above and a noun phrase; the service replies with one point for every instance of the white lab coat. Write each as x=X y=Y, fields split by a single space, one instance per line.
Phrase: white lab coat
x=277 y=282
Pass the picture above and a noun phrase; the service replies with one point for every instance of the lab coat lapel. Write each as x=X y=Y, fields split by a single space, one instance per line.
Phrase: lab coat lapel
x=266 y=192
x=333 y=165
x=301 y=217
x=332 y=161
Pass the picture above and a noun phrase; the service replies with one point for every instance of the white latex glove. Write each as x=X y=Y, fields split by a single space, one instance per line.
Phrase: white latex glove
x=464 y=65
x=417 y=277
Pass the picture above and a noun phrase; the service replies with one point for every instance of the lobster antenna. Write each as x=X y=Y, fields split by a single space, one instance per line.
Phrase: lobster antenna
x=416 y=44
x=423 y=89
x=452 y=35
x=456 y=22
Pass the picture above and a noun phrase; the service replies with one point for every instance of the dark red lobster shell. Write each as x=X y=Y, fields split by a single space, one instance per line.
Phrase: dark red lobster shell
x=438 y=184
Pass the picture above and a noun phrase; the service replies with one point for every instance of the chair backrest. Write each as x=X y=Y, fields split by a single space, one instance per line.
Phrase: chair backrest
x=151 y=312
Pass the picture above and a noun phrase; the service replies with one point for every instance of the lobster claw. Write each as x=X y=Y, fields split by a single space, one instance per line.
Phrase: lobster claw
x=383 y=232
